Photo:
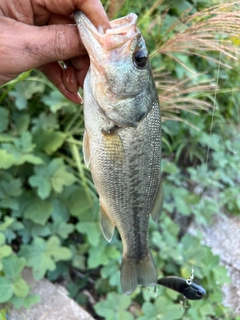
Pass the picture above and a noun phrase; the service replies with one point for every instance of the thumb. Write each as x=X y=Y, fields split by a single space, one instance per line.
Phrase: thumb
x=25 y=47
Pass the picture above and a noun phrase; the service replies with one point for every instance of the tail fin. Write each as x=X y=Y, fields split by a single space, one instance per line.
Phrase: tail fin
x=134 y=272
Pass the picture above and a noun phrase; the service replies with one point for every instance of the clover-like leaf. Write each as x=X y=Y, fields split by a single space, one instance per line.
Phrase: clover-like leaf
x=6 y=289
x=41 y=255
x=7 y=160
x=43 y=185
x=55 y=100
x=39 y=211
x=13 y=265
x=20 y=287
x=92 y=230
x=48 y=140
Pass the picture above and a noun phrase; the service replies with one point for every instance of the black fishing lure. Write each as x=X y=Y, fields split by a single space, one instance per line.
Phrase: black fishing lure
x=189 y=289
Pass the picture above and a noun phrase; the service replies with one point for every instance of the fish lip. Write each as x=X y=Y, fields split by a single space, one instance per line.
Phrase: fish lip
x=123 y=30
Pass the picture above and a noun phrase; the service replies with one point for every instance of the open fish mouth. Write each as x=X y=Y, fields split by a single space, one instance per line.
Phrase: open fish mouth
x=99 y=44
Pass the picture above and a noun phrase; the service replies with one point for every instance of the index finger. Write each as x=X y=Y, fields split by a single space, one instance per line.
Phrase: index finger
x=93 y=9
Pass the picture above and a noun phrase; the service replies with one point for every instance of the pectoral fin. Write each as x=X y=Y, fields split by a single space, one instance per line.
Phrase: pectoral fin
x=113 y=146
x=107 y=224
x=157 y=207
x=86 y=150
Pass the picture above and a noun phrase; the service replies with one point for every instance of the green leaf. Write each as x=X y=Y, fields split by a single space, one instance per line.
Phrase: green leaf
x=41 y=255
x=13 y=266
x=92 y=230
x=5 y=251
x=22 y=123
x=79 y=205
x=64 y=229
x=30 y=300
x=7 y=223
x=4 y=114
x=12 y=187
x=55 y=101
x=24 y=90
x=46 y=121
x=7 y=160
x=39 y=211
x=10 y=203
x=6 y=289
x=26 y=302
x=56 y=251
x=62 y=178
x=43 y=185
x=20 y=288
x=48 y=140
x=54 y=175
x=114 y=307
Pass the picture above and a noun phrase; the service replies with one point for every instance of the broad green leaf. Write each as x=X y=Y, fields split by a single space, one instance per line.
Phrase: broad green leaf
x=5 y=251
x=13 y=187
x=41 y=255
x=13 y=266
x=114 y=307
x=20 y=288
x=24 y=90
x=30 y=300
x=26 y=302
x=55 y=101
x=64 y=229
x=7 y=160
x=55 y=250
x=37 y=257
x=4 y=114
x=39 y=211
x=25 y=142
x=22 y=123
x=92 y=230
x=80 y=205
x=20 y=156
x=46 y=121
x=7 y=223
x=10 y=203
x=43 y=185
x=6 y=289
x=62 y=178
x=48 y=140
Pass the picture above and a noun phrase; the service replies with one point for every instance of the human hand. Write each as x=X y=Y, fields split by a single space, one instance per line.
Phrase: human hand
x=39 y=33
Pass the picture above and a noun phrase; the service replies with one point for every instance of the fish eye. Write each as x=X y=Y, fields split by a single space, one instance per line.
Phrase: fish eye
x=140 y=59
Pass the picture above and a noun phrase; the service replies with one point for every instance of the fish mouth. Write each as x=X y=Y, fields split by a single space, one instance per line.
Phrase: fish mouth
x=98 y=43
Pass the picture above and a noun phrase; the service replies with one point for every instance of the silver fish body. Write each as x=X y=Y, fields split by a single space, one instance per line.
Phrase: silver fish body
x=122 y=140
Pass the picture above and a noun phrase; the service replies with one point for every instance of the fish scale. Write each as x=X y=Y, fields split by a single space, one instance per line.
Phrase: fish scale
x=122 y=141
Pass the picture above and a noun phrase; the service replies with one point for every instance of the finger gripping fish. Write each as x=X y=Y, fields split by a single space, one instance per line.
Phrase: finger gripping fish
x=122 y=140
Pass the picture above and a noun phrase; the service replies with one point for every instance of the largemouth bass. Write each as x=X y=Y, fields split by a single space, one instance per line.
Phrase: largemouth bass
x=122 y=140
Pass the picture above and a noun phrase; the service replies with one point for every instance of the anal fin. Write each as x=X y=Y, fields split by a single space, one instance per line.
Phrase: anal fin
x=158 y=203
x=107 y=224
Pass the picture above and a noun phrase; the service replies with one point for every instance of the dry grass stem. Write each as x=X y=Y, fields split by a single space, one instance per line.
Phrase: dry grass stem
x=209 y=30
x=176 y=96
